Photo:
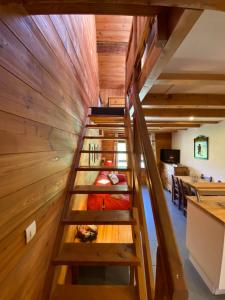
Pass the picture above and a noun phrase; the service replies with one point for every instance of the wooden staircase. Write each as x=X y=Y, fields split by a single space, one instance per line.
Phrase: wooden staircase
x=96 y=254
x=136 y=255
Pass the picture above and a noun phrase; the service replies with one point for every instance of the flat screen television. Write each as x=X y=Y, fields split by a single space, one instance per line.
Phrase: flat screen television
x=171 y=156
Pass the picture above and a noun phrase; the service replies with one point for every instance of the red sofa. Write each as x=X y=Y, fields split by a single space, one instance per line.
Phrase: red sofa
x=108 y=201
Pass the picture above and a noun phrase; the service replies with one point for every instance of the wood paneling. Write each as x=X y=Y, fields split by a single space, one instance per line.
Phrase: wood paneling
x=108 y=93
x=48 y=78
x=112 y=36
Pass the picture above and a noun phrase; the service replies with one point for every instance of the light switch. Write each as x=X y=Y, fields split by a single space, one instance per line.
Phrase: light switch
x=30 y=231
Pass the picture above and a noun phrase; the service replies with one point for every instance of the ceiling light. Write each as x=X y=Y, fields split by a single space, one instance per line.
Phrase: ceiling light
x=191 y=118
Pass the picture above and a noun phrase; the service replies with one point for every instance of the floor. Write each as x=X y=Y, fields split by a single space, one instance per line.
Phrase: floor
x=196 y=287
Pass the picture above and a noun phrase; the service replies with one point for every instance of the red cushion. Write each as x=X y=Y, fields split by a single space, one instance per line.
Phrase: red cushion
x=108 y=163
x=121 y=177
x=117 y=204
x=95 y=202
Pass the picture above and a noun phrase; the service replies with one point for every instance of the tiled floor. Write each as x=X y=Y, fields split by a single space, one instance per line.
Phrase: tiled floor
x=197 y=289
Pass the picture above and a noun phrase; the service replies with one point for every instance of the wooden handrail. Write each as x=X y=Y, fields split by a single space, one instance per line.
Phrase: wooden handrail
x=139 y=203
x=170 y=283
x=169 y=265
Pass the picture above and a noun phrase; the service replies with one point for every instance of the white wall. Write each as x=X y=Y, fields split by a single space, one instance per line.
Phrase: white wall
x=215 y=165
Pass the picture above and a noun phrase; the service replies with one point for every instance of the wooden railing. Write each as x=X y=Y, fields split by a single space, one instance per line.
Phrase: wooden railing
x=169 y=283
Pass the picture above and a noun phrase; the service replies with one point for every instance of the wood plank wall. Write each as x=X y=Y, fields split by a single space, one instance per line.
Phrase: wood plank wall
x=48 y=78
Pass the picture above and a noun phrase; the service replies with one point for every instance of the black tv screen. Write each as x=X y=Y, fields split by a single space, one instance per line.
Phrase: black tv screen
x=171 y=156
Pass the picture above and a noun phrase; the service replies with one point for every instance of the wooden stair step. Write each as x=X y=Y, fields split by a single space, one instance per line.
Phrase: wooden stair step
x=95 y=292
x=105 y=138
x=110 y=217
x=96 y=254
x=106 y=118
x=94 y=189
x=105 y=125
x=105 y=151
x=102 y=168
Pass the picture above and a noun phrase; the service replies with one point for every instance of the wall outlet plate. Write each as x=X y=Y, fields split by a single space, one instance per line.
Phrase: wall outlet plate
x=30 y=232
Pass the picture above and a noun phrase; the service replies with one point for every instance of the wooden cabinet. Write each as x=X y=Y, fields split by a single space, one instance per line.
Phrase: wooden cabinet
x=167 y=170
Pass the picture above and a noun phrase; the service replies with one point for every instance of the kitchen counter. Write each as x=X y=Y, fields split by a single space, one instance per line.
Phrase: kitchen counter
x=205 y=240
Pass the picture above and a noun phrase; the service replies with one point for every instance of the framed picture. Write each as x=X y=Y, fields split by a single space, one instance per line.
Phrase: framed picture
x=201 y=147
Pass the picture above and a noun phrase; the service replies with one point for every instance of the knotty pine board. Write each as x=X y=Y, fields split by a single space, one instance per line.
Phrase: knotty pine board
x=48 y=78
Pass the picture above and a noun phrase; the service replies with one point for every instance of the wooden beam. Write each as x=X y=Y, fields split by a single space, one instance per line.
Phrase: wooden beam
x=198 y=79
x=197 y=4
x=112 y=7
x=96 y=7
x=179 y=112
x=160 y=121
x=175 y=124
x=159 y=58
x=164 y=130
x=205 y=100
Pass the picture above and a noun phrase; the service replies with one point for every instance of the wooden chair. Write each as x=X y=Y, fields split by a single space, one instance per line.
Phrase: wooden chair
x=185 y=191
x=176 y=192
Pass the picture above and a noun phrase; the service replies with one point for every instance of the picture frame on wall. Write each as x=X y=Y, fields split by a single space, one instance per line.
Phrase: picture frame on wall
x=201 y=147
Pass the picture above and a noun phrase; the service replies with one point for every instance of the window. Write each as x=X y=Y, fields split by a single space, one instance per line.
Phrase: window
x=142 y=162
x=121 y=157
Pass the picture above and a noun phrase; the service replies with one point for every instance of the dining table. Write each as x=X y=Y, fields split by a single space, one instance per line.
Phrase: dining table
x=201 y=184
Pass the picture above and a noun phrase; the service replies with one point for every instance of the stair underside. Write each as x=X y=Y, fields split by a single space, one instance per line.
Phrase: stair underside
x=102 y=168
x=96 y=254
x=94 y=189
x=106 y=125
x=104 y=119
x=105 y=138
x=91 y=292
x=118 y=111
x=104 y=151
x=110 y=217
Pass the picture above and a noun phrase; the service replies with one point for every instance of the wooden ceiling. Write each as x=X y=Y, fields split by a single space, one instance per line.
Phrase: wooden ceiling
x=112 y=39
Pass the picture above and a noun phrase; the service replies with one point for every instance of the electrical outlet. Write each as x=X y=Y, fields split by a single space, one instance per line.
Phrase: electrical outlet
x=30 y=231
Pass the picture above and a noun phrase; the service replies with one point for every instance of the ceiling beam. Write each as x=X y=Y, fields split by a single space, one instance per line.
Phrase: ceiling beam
x=170 y=125
x=112 y=7
x=180 y=112
x=159 y=58
x=163 y=130
x=96 y=7
x=206 y=100
x=201 y=79
x=197 y=4
x=169 y=121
